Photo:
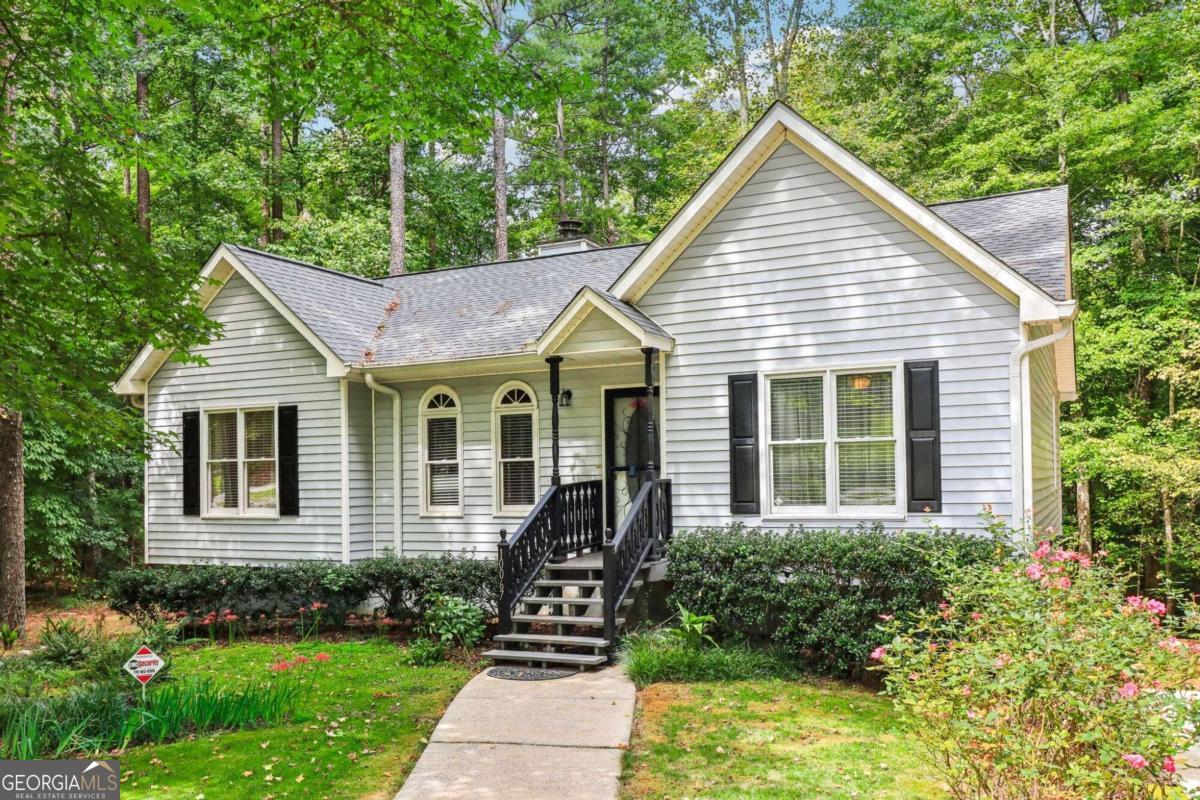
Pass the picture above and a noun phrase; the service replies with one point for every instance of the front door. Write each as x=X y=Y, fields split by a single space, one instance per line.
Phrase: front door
x=626 y=450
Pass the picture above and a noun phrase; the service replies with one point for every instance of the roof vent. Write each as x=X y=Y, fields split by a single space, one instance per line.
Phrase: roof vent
x=570 y=240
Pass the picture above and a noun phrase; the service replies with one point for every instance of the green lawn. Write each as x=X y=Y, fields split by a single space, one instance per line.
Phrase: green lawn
x=772 y=739
x=360 y=730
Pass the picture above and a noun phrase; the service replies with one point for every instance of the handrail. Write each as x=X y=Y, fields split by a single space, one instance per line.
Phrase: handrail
x=566 y=518
x=645 y=527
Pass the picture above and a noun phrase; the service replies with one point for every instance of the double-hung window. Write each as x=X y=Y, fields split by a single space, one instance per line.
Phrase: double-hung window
x=441 y=452
x=833 y=442
x=240 y=467
x=514 y=435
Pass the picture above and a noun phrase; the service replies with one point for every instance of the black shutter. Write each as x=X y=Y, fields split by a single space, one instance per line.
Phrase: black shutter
x=924 y=428
x=289 y=463
x=191 y=463
x=743 y=444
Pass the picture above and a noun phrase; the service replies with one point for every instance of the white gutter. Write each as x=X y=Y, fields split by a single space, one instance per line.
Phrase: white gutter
x=397 y=493
x=1019 y=421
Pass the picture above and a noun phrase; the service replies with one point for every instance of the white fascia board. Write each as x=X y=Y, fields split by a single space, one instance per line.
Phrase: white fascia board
x=780 y=124
x=221 y=265
x=585 y=300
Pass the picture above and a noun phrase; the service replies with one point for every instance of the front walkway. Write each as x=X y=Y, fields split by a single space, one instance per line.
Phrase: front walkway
x=537 y=740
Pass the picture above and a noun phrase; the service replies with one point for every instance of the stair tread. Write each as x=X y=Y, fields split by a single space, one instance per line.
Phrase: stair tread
x=553 y=601
x=581 y=582
x=535 y=655
x=568 y=601
x=555 y=618
x=550 y=638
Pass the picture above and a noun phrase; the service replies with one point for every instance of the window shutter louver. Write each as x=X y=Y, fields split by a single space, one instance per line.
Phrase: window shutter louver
x=289 y=462
x=191 y=463
x=743 y=444
x=923 y=427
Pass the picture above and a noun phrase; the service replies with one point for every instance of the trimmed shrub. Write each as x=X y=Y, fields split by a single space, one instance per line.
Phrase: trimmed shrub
x=406 y=586
x=400 y=584
x=815 y=594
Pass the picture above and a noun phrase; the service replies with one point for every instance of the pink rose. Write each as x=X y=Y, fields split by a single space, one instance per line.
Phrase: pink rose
x=1128 y=690
x=1084 y=562
x=1136 y=760
x=1169 y=765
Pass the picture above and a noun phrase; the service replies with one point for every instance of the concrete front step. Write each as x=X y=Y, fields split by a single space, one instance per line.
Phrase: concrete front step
x=553 y=619
x=550 y=658
x=550 y=638
x=534 y=600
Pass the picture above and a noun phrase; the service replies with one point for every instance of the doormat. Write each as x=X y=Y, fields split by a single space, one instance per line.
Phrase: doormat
x=529 y=673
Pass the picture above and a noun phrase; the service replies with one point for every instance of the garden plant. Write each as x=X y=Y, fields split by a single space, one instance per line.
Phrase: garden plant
x=1039 y=678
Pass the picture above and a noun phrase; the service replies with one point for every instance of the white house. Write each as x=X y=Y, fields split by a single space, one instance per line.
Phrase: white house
x=803 y=344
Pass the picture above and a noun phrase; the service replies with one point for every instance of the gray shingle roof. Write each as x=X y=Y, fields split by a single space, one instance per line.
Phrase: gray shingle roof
x=497 y=308
x=342 y=310
x=633 y=312
x=1029 y=231
x=488 y=309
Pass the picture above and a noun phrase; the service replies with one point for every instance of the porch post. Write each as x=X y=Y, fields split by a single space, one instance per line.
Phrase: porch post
x=651 y=433
x=651 y=355
x=554 y=361
x=559 y=554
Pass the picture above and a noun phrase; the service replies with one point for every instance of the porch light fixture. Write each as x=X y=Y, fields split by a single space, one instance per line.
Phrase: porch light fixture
x=861 y=381
x=564 y=399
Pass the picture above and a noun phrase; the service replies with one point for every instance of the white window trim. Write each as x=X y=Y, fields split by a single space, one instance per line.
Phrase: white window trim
x=243 y=511
x=498 y=507
x=424 y=414
x=832 y=508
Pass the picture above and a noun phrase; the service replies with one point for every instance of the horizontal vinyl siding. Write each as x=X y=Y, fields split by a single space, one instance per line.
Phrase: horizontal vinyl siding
x=260 y=360
x=597 y=332
x=1046 y=500
x=801 y=271
x=477 y=530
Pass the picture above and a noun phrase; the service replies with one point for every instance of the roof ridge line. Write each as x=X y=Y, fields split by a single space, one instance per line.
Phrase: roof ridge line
x=998 y=194
x=299 y=263
x=509 y=261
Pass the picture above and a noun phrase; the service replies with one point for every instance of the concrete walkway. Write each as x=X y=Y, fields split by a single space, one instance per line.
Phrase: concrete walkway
x=537 y=740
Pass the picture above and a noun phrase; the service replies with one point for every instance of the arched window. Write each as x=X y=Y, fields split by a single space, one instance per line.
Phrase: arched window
x=515 y=445
x=441 y=451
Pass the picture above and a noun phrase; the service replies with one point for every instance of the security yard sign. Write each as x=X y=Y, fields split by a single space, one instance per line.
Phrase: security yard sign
x=144 y=665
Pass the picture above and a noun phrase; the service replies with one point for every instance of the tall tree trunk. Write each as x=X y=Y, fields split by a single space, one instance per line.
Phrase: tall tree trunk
x=12 y=519
x=738 y=32
x=500 y=184
x=396 y=218
x=495 y=14
x=264 y=161
x=1168 y=543
x=1083 y=512
x=560 y=148
x=143 y=108
x=276 y=179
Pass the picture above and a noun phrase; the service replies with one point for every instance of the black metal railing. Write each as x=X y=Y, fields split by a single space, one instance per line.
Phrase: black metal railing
x=567 y=518
x=646 y=527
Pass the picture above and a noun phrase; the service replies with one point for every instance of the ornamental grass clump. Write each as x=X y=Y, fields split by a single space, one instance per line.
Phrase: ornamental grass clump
x=1038 y=678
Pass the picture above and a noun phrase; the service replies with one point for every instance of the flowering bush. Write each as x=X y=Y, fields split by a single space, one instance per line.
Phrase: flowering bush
x=1038 y=679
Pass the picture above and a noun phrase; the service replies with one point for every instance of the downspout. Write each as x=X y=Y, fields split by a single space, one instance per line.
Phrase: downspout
x=1017 y=416
x=397 y=492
